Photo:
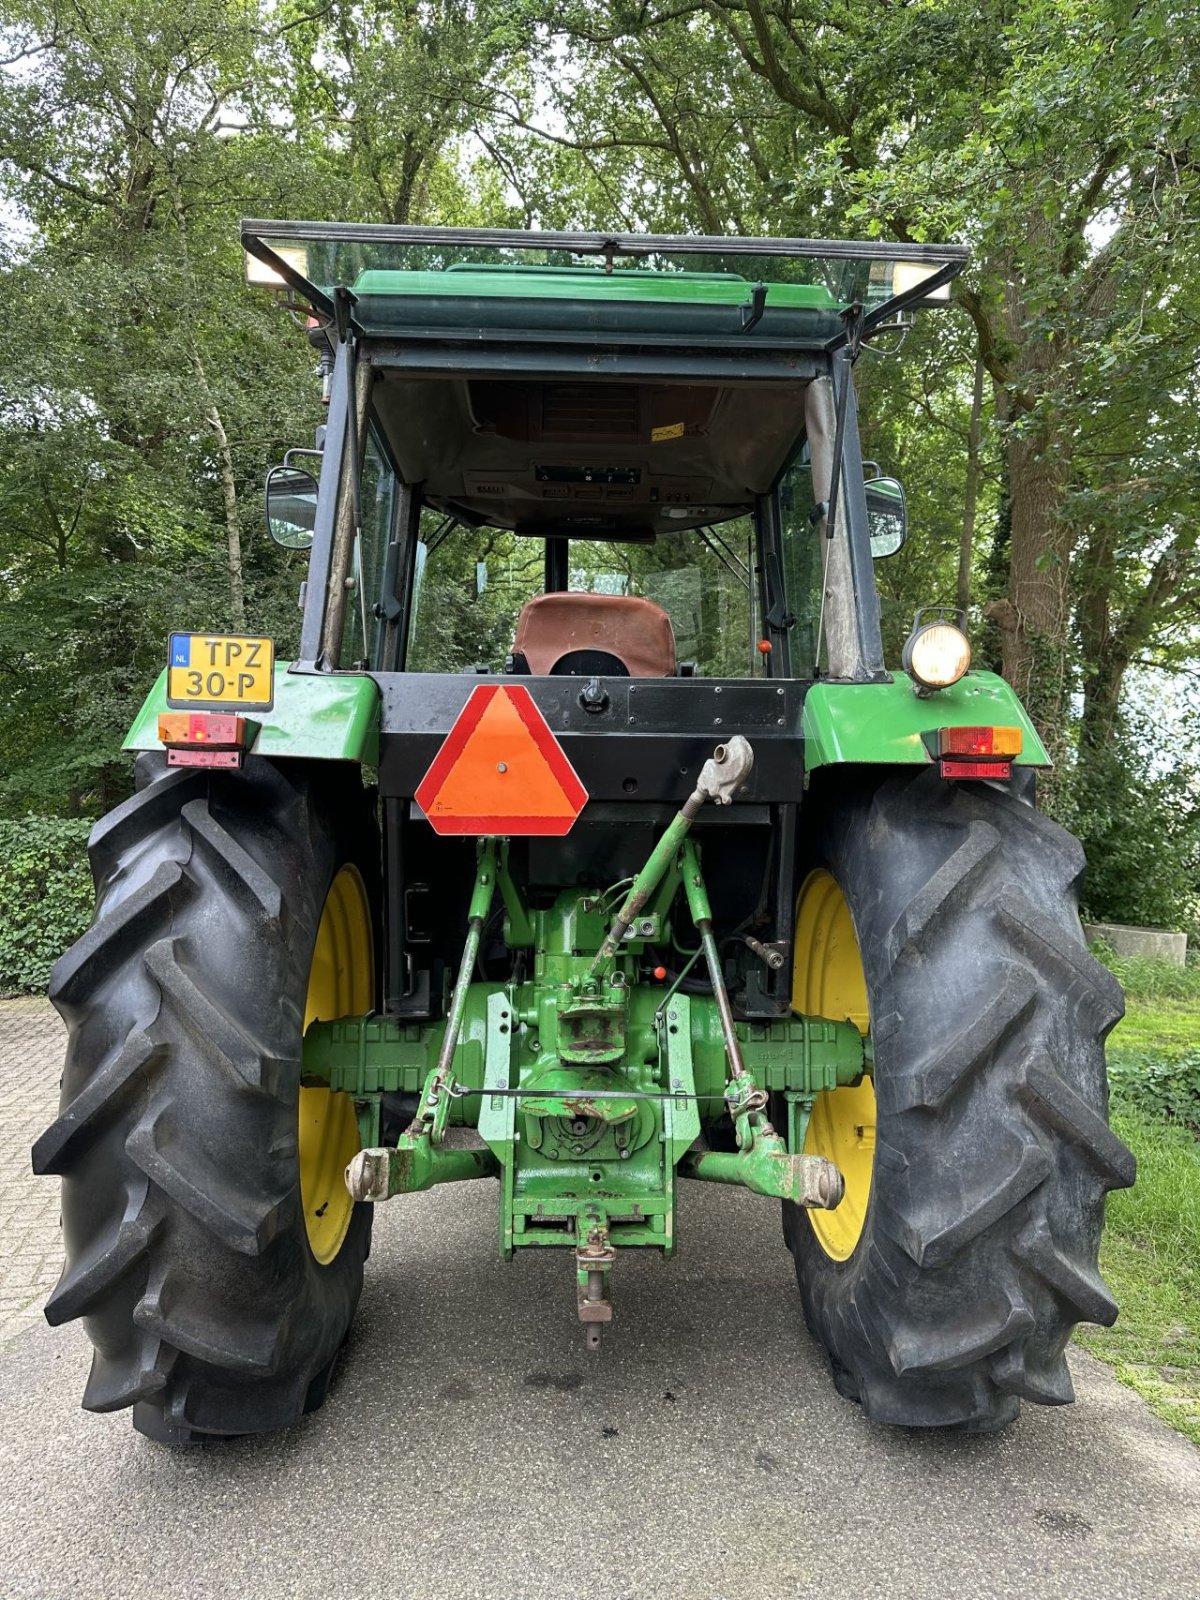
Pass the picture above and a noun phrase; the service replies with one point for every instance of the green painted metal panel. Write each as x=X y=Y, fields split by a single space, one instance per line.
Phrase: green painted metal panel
x=321 y=716
x=696 y=288
x=883 y=722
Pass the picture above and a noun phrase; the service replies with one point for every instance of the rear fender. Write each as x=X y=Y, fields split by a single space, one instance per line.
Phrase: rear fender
x=322 y=716
x=885 y=724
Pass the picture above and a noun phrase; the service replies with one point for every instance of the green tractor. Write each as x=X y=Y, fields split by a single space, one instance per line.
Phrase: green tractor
x=586 y=846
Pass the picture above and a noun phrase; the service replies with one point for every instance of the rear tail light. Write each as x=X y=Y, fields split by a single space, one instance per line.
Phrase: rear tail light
x=205 y=738
x=979 y=742
x=977 y=752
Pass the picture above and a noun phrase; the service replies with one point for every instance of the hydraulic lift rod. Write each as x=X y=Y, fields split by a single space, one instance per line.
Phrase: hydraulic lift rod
x=721 y=776
x=481 y=905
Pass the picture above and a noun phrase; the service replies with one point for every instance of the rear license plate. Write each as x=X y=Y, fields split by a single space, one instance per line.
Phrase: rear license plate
x=216 y=669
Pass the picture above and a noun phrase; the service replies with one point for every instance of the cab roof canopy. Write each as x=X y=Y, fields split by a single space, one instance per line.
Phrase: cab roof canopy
x=592 y=385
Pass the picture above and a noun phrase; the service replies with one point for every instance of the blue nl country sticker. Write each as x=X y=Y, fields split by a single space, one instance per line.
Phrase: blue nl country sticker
x=181 y=650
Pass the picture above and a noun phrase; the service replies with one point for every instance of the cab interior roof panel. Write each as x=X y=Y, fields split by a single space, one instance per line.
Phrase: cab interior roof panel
x=589 y=456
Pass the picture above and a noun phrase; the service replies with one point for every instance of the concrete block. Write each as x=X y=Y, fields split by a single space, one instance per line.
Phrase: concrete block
x=1157 y=943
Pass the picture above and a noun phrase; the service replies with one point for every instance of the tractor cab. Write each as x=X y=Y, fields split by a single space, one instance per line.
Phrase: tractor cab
x=586 y=845
x=539 y=414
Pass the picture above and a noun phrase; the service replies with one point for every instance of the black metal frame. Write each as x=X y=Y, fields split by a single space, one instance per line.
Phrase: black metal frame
x=665 y=355
x=321 y=554
x=338 y=307
x=255 y=230
x=854 y=514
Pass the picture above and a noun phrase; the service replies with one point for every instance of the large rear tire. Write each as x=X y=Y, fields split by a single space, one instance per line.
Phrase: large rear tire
x=231 y=908
x=967 y=1251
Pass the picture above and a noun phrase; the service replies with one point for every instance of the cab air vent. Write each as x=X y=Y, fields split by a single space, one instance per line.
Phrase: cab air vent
x=577 y=411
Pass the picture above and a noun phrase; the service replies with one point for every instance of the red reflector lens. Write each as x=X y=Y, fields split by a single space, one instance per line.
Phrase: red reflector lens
x=979 y=741
x=204 y=758
x=975 y=769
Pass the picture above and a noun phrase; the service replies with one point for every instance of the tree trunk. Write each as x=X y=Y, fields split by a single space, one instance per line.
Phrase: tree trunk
x=966 y=542
x=1104 y=662
x=1034 y=620
x=212 y=415
x=1102 y=699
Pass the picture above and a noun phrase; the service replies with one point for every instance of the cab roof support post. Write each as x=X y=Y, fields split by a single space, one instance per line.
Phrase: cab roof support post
x=398 y=577
x=346 y=520
x=317 y=590
x=854 y=647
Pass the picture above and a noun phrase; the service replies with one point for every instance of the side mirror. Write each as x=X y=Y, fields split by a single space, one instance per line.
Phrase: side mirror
x=887 y=516
x=291 y=507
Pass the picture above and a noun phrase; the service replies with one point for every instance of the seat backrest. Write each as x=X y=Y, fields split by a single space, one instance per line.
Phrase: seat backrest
x=636 y=631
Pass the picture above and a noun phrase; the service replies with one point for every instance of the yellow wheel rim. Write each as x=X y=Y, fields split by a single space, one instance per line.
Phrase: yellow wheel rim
x=341 y=983
x=828 y=981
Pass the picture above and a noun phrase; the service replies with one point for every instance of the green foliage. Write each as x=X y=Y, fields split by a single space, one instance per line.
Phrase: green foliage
x=1054 y=137
x=1139 y=822
x=1159 y=1087
x=139 y=373
x=144 y=383
x=46 y=896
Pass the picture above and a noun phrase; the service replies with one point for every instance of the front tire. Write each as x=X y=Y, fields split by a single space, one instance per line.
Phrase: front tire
x=214 y=1303
x=949 y=1291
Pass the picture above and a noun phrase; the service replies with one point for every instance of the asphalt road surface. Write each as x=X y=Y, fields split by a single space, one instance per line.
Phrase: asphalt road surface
x=472 y=1447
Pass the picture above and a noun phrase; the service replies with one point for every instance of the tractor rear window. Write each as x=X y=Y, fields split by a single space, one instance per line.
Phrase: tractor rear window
x=472 y=585
x=360 y=636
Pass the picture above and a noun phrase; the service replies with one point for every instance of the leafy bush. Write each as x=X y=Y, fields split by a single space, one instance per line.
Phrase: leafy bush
x=1159 y=1087
x=1139 y=823
x=1146 y=979
x=45 y=896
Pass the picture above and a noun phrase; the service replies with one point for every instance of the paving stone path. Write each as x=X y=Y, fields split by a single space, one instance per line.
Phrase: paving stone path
x=32 y=1041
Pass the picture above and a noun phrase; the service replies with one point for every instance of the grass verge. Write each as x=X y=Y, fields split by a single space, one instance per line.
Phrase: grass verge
x=1164 y=1028
x=1151 y=1259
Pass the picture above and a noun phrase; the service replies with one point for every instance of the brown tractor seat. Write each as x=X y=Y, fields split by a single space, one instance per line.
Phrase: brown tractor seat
x=634 y=632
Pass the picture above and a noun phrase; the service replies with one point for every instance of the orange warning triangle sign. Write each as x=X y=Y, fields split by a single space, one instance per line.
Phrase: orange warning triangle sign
x=501 y=770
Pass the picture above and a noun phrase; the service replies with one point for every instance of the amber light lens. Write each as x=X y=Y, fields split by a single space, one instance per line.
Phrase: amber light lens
x=937 y=655
x=979 y=742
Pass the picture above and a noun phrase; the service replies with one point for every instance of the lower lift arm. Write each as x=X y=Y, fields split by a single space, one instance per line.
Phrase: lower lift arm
x=762 y=1162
